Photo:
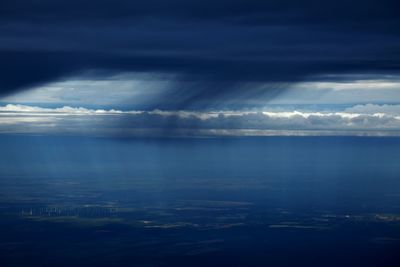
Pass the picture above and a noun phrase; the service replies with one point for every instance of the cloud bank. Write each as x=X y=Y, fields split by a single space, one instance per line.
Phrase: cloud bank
x=357 y=120
x=219 y=47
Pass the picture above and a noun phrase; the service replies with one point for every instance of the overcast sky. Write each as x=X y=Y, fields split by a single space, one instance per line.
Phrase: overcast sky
x=203 y=56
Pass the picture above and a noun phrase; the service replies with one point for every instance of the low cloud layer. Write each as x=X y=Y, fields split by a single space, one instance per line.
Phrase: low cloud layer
x=357 y=120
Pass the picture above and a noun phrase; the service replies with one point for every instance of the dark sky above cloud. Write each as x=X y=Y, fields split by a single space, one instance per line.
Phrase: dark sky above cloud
x=218 y=46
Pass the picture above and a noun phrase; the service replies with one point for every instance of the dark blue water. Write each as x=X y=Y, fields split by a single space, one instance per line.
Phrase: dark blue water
x=276 y=201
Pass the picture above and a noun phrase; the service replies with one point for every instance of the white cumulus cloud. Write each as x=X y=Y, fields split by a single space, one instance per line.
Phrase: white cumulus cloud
x=360 y=119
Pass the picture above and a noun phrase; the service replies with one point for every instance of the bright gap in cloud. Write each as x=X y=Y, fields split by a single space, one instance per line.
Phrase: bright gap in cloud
x=118 y=106
x=150 y=91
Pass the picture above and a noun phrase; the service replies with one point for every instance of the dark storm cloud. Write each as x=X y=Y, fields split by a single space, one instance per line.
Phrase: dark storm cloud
x=218 y=46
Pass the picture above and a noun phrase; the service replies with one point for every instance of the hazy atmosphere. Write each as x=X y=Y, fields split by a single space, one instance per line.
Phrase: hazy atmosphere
x=199 y=133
